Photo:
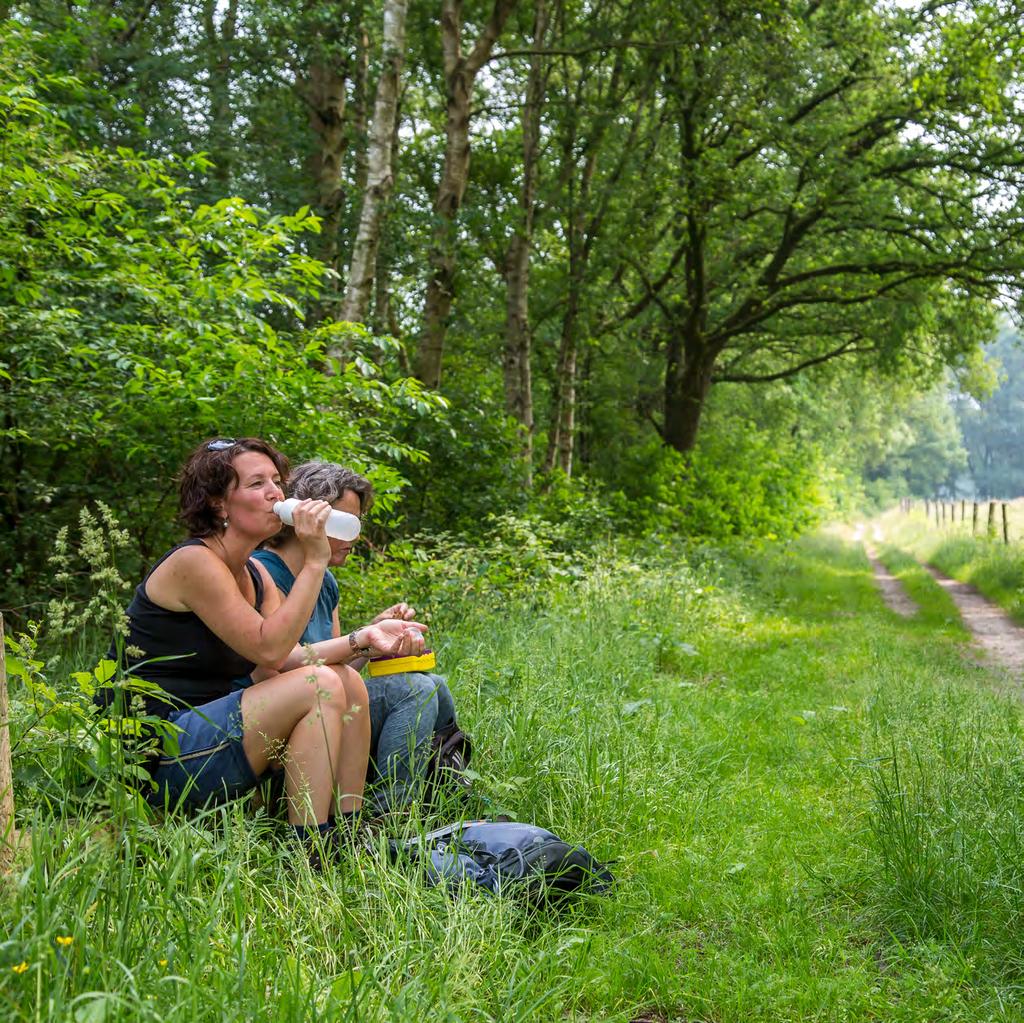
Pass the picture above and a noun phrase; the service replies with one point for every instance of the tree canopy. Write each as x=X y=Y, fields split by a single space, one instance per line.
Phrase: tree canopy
x=493 y=247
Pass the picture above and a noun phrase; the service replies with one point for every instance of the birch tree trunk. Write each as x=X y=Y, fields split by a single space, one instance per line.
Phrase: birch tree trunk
x=518 y=340
x=459 y=76
x=380 y=171
x=361 y=108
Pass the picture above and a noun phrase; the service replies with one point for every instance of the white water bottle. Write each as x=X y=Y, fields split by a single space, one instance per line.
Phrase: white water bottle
x=340 y=525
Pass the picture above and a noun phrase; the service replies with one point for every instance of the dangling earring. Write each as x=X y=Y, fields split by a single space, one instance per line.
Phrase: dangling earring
x=224 y=524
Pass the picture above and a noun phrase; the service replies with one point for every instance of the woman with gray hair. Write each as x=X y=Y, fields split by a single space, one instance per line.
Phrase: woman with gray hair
x=405 y=709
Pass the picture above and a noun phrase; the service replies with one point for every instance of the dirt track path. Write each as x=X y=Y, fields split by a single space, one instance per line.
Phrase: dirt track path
x=895 y=596
x=998 y=636
x=893 y=593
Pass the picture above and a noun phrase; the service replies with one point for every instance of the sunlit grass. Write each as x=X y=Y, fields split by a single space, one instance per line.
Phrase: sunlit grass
x=730 y=737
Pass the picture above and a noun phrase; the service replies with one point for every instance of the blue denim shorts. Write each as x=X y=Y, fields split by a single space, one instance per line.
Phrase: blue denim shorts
x=211 y=766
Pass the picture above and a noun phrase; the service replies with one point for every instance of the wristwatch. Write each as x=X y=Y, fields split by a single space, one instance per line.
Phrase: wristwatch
x=357 y=650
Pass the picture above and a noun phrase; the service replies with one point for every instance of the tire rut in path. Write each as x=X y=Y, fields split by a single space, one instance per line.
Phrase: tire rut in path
x=895 y=596
x=998 y=636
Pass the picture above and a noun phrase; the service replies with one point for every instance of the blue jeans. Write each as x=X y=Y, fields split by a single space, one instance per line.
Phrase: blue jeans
x=210 y=765
x=405 y=712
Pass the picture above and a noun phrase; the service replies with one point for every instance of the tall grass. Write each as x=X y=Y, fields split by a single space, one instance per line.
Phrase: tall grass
x=948 y=819
x=725 y=734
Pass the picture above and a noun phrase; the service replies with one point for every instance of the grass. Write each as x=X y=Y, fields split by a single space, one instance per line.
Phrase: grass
x=813 y=807
x=936 y=610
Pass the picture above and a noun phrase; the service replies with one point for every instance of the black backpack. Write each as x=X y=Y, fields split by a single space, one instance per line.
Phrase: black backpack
x=505 y=856
x=450 y=751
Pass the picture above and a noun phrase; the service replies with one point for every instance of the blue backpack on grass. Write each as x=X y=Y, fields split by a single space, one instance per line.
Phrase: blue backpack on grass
x=505 y=856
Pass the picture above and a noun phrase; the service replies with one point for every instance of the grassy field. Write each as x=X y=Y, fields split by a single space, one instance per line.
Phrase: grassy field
x=815 y=809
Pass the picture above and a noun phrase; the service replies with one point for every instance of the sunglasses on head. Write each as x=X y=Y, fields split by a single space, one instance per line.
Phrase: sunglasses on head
x=220 y=445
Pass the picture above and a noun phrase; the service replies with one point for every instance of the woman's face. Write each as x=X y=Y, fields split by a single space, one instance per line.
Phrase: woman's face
x=249 y=506
x=348 y=502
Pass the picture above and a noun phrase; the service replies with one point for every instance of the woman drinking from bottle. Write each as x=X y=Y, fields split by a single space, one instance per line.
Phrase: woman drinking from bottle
x=210 y=613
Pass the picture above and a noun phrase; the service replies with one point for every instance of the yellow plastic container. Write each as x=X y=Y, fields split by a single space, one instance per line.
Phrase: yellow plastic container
x=390 y=665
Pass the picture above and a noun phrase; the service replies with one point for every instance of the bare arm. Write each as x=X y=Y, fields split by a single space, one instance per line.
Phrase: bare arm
x=394 y=636
x=196 y=579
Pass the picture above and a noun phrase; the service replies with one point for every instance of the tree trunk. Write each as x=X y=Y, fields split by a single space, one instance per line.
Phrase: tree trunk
x=361 y=109
x=687 y=383
x=562 y=438
x=325 y=91
x=219 y=44
x=582 y=225
x=459 y=75
x=380 y=172
x=384 y=319
x=518 y=374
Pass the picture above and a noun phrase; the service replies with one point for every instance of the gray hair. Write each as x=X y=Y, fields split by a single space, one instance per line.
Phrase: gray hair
x=324 y=481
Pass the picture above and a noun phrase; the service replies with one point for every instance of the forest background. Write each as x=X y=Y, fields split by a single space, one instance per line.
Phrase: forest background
x=548 y=270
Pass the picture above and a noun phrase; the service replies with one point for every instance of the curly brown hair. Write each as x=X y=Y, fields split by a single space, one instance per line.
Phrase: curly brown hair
x=209 y=474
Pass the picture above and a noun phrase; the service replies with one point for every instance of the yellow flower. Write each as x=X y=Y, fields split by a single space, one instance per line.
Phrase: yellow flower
x=20 y=968
x=163 y=962
x=64 y=940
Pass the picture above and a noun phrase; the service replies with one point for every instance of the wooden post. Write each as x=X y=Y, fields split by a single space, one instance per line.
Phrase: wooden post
x=927 y=507
x=974 y=520
x=935 y=504
x=991 y=519
x=963 y=510
x=7 y=833
x=1006 y=528
x=943 y=503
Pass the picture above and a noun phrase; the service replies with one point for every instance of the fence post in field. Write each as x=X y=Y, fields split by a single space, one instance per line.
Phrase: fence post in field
x=991 y=519
x=935 y=505
x=927 y=507
x=974 y=520
x=943 y=503
x=963 y=510
x=1006 y=528
x=7 y=835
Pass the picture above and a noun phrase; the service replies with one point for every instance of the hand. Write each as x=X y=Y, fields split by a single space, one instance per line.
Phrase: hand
x=401 y=610
x=308 y=520
x=393 y=636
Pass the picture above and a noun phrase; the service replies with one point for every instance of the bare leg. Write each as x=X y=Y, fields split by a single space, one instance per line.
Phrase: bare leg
x=355 y=740
x=296 y=719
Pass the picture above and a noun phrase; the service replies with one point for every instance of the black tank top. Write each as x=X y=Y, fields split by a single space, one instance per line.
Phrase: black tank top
x=209 y=667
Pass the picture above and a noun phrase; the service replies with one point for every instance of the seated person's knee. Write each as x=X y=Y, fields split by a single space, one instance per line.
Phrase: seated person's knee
x=423 y=688
x=353 y=685
x=328 y=688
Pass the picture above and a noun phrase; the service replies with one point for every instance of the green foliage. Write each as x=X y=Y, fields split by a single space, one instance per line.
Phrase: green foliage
x=740 y=482
x=134 y=323
x=474 y=470
x=922 y=455
x=457 y=580
x=68 y=752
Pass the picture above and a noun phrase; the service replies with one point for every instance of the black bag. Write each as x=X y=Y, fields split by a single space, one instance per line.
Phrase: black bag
x=450 y=751
x=505 y=856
